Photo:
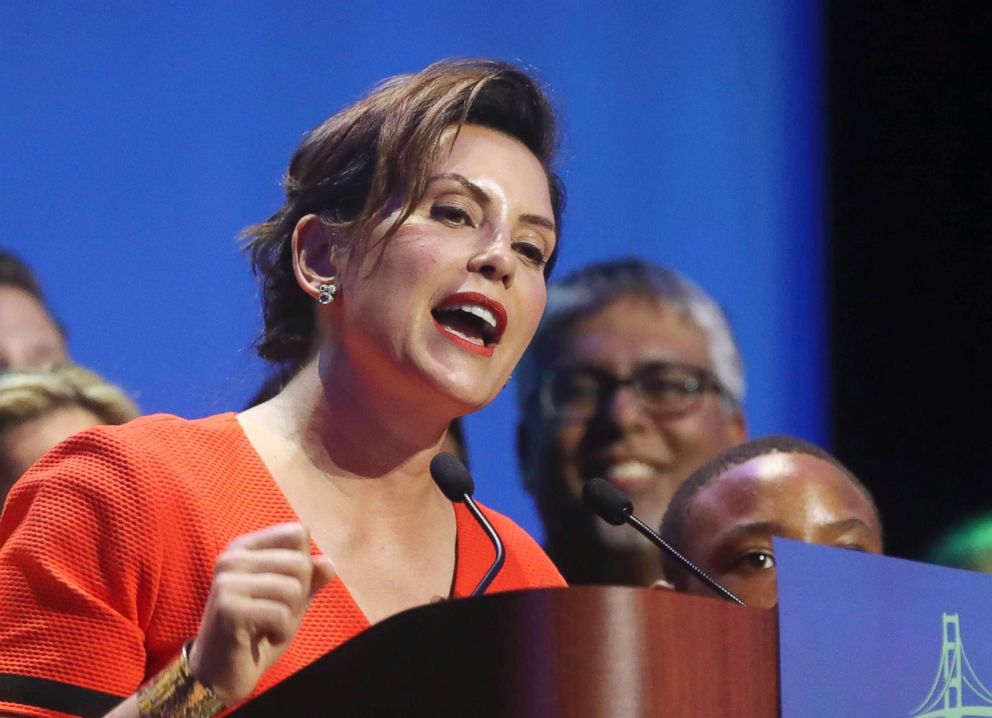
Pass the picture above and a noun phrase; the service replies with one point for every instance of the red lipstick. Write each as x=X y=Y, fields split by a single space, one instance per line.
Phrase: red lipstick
x=472 y=321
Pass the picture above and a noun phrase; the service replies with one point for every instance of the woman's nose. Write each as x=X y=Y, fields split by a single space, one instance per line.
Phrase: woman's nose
x=495 y=261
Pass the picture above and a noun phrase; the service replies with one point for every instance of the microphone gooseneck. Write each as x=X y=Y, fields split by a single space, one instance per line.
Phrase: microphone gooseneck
x=451 y=476
x=613 y=506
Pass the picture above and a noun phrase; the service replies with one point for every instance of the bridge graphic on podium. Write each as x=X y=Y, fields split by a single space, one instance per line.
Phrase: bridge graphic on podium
x=946 y=698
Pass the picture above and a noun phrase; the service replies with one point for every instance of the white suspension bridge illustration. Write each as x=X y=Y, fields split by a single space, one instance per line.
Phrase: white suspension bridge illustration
x=955 y=682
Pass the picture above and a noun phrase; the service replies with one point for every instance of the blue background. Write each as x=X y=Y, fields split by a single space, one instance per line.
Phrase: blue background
x=138 y=139
x=860 y=635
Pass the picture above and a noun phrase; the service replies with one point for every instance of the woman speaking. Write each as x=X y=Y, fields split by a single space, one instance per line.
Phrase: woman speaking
x=193 y=564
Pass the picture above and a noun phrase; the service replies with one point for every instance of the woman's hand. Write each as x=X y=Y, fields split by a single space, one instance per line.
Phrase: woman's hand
x=262 y=586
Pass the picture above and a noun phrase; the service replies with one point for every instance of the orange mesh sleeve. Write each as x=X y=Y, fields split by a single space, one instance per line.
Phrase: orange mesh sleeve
x=74 y=569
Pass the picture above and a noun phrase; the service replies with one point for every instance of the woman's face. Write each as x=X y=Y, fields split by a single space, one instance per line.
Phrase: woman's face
x=451 y=301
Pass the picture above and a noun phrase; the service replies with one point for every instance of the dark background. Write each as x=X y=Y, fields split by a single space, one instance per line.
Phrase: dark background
x=909 y=117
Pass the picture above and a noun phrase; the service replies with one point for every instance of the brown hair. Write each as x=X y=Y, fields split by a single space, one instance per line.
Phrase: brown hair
x=352 y=166
x=15 y=273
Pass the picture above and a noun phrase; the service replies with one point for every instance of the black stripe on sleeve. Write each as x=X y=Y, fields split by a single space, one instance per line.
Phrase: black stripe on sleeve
x=56 y=696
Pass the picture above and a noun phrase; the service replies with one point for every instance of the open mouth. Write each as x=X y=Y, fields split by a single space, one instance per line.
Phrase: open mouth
x=472 y=321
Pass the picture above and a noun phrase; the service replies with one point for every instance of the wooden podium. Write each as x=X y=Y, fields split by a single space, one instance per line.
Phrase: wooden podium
x=587 y=652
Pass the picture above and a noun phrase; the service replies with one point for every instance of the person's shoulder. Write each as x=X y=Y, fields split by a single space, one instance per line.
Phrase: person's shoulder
x=170 y=443
x=132 y=480
x=526 y=561
x=148 y=435
x=161 y=432
x=130 y=459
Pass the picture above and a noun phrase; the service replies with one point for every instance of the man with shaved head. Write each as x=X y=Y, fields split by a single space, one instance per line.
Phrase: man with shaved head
x=724 y=516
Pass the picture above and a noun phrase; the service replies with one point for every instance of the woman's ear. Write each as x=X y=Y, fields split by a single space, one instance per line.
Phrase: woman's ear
x=314 y=258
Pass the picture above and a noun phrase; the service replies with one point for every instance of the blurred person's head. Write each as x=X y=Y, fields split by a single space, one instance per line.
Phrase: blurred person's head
x=29 y=334
x=966 y=545
x=41 y=407
x=724 y=516
x=634 y=377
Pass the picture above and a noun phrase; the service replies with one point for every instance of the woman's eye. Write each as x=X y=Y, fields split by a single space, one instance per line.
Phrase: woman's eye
x=451 y=215
x=531 y=252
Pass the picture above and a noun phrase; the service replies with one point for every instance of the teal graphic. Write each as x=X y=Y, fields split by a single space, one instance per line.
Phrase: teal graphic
x=864 y=636
x=954 y=681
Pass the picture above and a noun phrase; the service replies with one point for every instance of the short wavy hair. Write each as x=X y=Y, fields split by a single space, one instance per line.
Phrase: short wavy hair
x=356 y=164
x=27 y=394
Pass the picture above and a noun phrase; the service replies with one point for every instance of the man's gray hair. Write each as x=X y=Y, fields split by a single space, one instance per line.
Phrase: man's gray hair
x=595 y=286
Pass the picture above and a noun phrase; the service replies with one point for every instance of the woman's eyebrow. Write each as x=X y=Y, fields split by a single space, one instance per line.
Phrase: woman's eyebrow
x=538 y=220
x=481 y=196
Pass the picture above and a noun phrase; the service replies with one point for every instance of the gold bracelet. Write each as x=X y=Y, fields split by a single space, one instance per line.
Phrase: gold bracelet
x=175 y=693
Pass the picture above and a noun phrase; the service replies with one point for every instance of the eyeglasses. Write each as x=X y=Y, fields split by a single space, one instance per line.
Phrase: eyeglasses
x=665 y=390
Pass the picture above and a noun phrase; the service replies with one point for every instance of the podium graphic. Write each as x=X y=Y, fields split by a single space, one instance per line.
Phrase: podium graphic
x=865 y=636
x=947 y=695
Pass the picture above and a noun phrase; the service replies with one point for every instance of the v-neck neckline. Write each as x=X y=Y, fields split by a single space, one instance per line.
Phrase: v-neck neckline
x=470 y=563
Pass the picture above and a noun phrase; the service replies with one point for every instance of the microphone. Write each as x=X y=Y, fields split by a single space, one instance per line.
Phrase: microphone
x=613 y=506
x=451 y=476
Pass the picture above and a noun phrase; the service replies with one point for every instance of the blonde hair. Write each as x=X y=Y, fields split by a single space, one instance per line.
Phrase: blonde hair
x=27 y=394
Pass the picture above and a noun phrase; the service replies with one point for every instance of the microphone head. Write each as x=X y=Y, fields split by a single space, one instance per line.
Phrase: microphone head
x=451 y=476
x=609 y=502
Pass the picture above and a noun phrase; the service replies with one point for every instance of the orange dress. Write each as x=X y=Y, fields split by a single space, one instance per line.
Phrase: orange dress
x=107 y=547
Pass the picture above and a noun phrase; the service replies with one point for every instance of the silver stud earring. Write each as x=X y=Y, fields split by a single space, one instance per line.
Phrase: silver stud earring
x=326 y=293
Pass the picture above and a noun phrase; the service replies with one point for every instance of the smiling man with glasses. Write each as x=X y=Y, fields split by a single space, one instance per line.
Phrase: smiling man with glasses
x=634 y=377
